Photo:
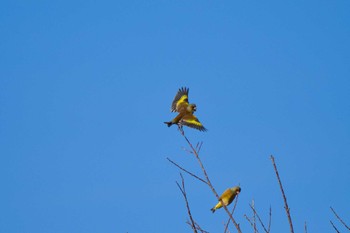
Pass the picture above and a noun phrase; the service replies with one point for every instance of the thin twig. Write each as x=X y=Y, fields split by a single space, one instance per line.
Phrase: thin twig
x=270 y=217
x=183 y=191
x=305 y=227
x=233 y=210
x=209 y=183
x=259 y=219
x=197 y=227
x=284 y=196
x=254 y=217
x=183 y=169
x=226 y=230
x=188 y=151
x=251 y=223
x=199 y=147
x=334 y=227
x=200 y=229
x=341 y=220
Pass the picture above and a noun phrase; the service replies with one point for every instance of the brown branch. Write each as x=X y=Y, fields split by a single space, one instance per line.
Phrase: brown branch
x=341 y=220
x=334 y=227
x=284 y=196
x=208 y=181
x=198 y=227
x=257 y=215
x=183 y=191
x=233 y=210
x=251 y=223
x=183 y=169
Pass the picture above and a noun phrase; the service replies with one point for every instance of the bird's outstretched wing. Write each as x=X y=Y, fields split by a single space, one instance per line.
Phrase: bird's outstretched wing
x=192 y=121
x=180 y=100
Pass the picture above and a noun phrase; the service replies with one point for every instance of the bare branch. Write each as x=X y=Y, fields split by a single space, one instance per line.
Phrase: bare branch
x=259 y=219
x=284 y=196
x=183 y=191
x=250 y=221
x=186 y=171
x=254 y=217
x=334 y=227
x=199 y=147
x=270 y=217
x=233 y=210
x=341 y=220
x=305 y=227
x=188 y=151
x=198 y=227
x=209 y=183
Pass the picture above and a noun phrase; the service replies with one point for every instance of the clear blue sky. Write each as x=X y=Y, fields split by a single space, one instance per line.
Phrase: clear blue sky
x=86 y=85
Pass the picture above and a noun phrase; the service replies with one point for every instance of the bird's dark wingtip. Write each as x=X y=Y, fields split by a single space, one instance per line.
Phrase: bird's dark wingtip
x=168 y=123
x=184 y=90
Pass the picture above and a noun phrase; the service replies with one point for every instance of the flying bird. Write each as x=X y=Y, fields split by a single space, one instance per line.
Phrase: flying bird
x=227 y=197
x=185 y=111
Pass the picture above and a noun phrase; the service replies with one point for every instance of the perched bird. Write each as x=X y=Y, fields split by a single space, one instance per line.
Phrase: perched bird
x=185 y=117
x=227 y=197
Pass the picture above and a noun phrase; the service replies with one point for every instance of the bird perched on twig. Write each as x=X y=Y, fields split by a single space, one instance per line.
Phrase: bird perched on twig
x=227 y=197
x=185 y=117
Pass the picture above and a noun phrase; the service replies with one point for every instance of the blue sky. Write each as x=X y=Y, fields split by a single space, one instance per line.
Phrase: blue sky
x=85 y=87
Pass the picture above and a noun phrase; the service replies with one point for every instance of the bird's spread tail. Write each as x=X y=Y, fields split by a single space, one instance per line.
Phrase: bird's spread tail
x=168 y=123
x=212 y=210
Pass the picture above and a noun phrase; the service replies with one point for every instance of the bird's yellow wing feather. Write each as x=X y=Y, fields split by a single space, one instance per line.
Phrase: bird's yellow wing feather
x=227 y=197
x=181 y=100
x=192 y=121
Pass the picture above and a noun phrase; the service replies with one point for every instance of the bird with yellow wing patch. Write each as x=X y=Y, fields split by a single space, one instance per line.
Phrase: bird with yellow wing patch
x=185 y=117
x=227 y=197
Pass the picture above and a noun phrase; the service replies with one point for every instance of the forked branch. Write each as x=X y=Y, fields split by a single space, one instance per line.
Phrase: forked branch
x=259 y=219
x=195 y=152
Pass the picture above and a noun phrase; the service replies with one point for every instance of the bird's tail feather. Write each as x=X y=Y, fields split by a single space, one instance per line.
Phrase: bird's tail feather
x=169 y=123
